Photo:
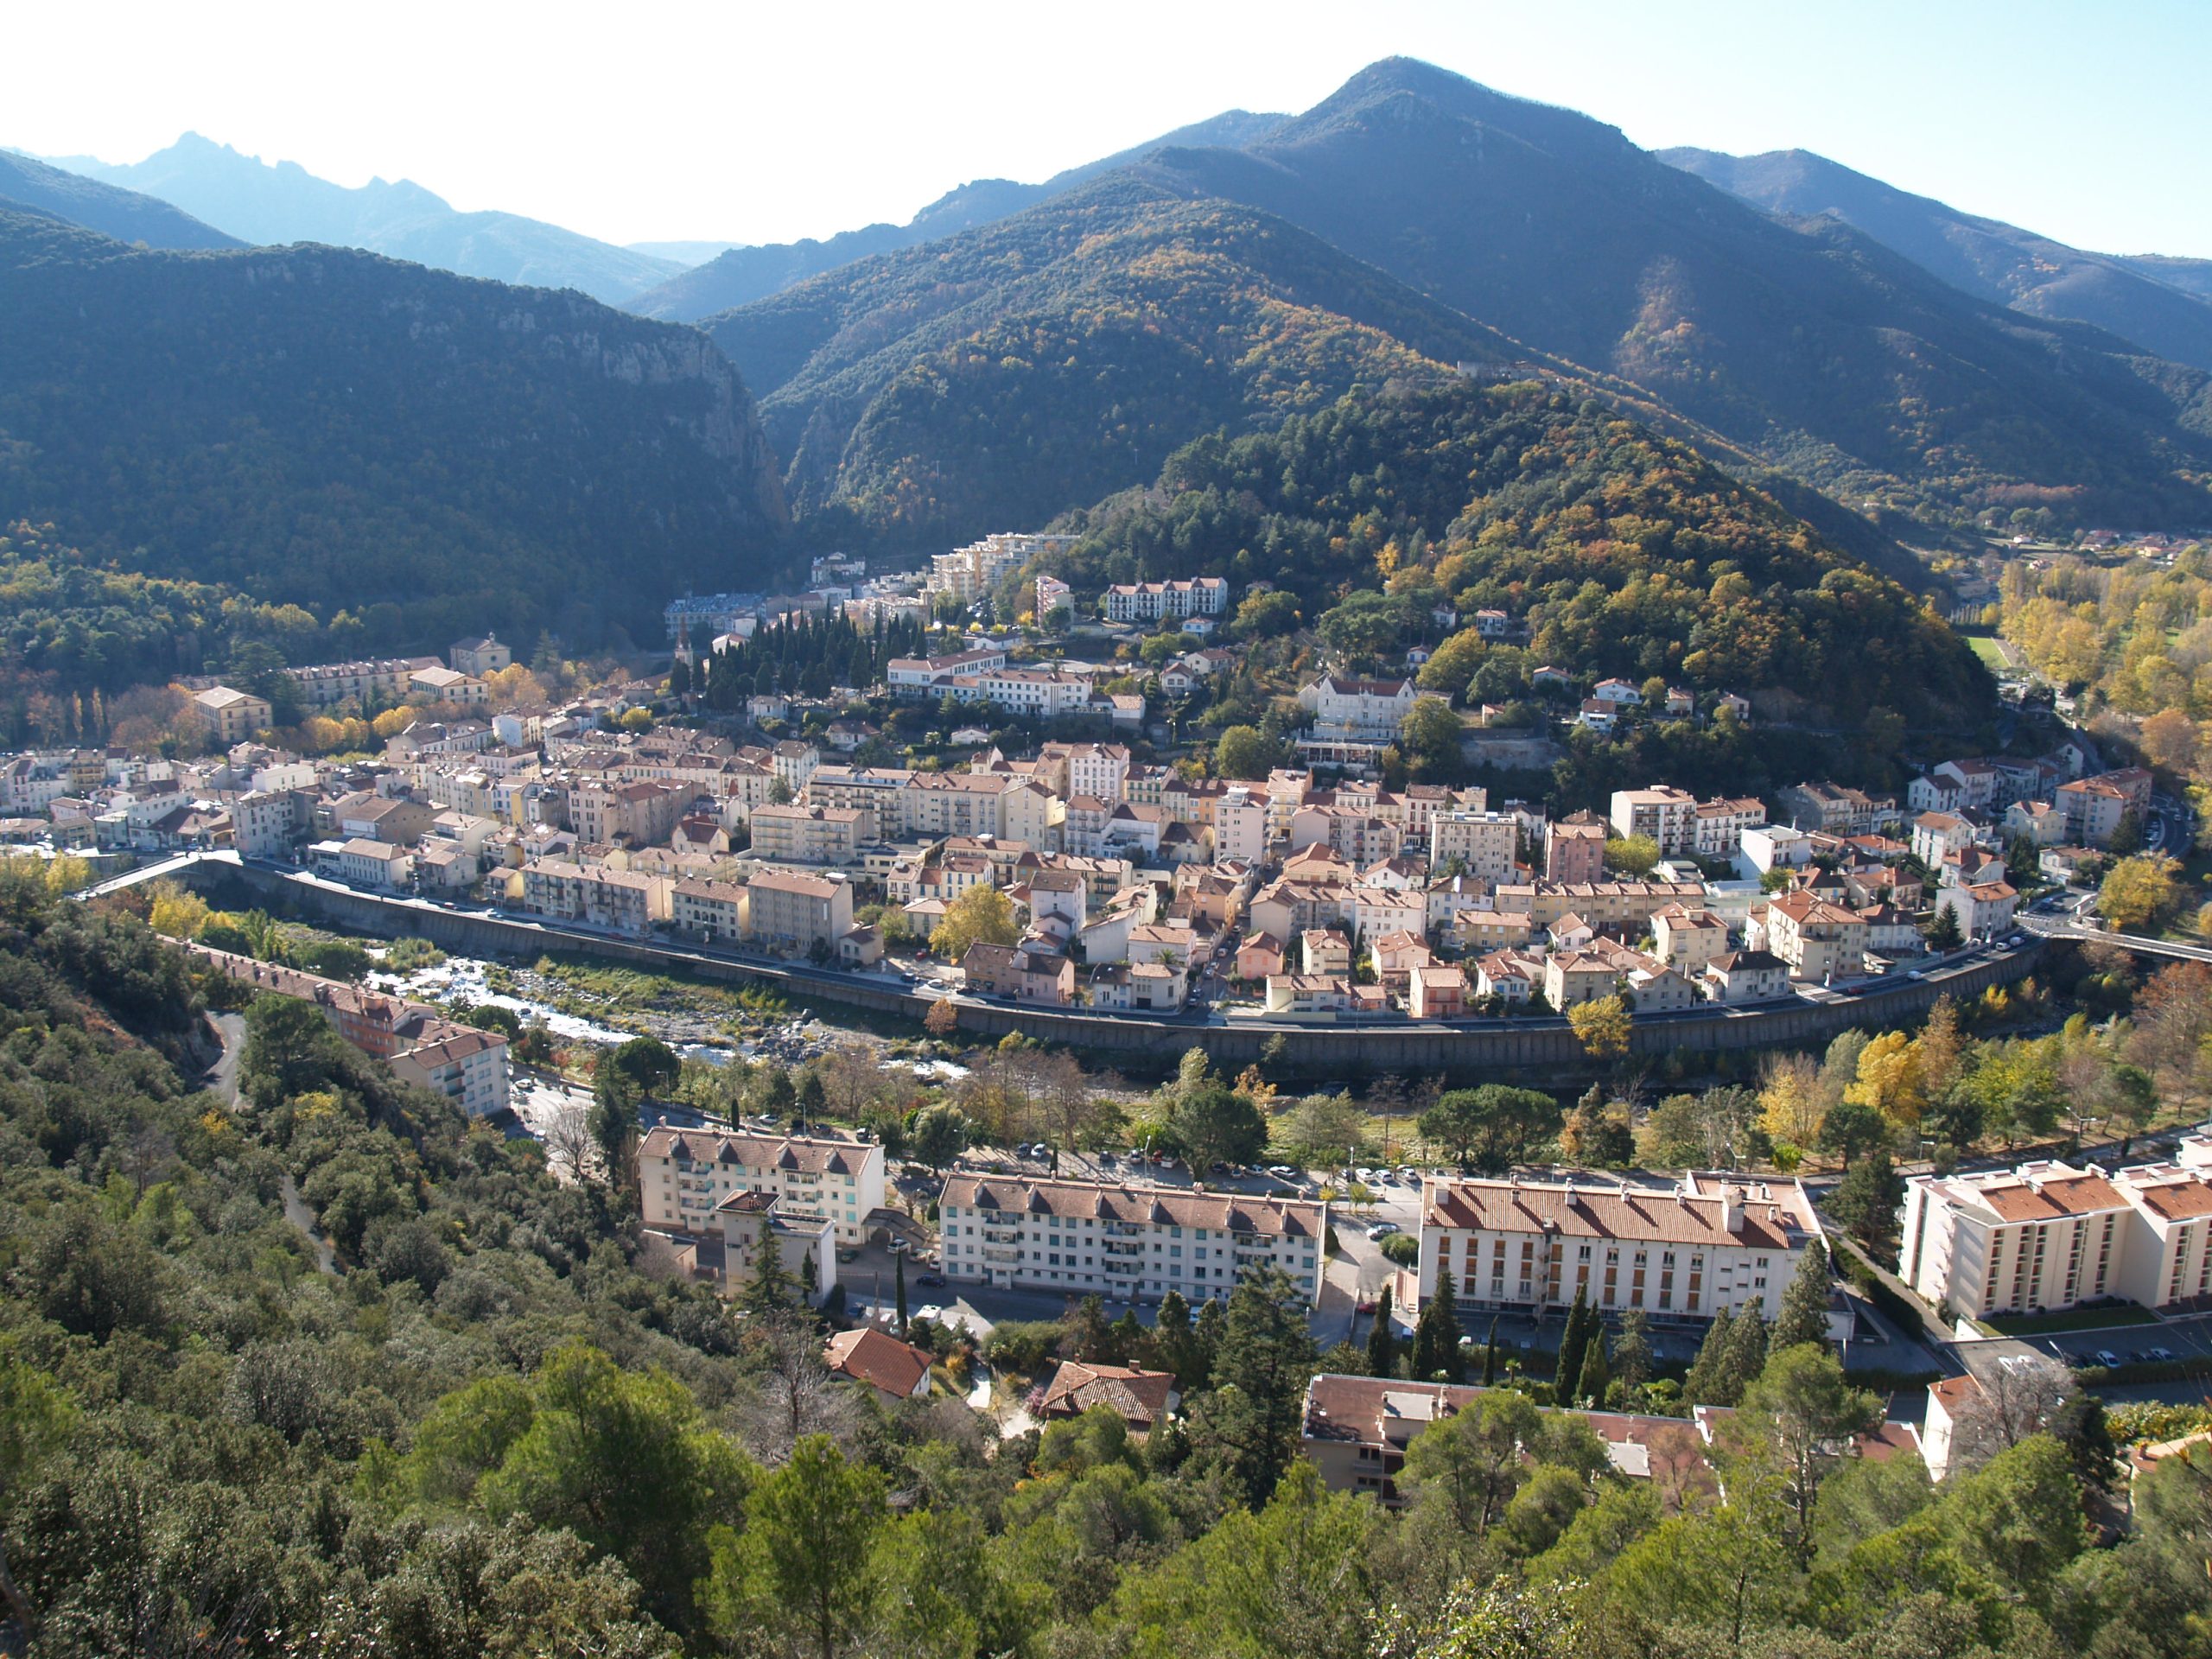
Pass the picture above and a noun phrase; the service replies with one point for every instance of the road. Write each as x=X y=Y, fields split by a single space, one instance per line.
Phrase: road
x=223 y=1078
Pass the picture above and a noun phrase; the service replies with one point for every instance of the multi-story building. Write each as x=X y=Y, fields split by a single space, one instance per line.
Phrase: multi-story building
x=468 y=1066
x=481 y=655
x=1837 y=808
x=1683 y=1251
x=713 y=913
x=382 y=679
x=1688 y=938
x=2044 y=1236
x=1666 y=815
x=1240 y=826
x=1984 y=909
x=685 y=1175
x=872 y=791
x=1124 y=1242
x=268 y=823
x=795 y=912
x=823 y=837
x=1817 y=940
x=968 y=572
x=232 y=715
x=1718 y=828
x=640 y=813
x=1485 y=844
x=1574 y=850
x=614 y=901
x=913 y=678
x=2094 y=807
x=1155 y=601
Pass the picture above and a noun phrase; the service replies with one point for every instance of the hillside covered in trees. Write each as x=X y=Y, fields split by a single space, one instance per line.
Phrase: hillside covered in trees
x=330 y=428
x=1624 y=553
x=1002 y=376
x=498 y=1425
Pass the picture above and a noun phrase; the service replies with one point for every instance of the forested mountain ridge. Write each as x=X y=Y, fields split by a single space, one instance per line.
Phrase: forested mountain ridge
x=741 y=276
x=273 y=206
x=1986 y=258
x=330 y=428
x=123 y=214
x=1044 y=361
x=1625 y=553
x=1811 y=344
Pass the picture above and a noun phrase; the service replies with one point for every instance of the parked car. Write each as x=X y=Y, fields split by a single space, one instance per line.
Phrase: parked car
x=1365 y=1304
x=1382 y=1230
x=2106 y=1358
x=900 y=1247
x=931 y=1280
x=2162 y=1355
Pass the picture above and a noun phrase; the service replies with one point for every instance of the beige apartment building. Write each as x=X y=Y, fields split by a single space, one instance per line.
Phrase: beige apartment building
x=615 y=901
x=713 y=913
x=1666 y=815
x=823 y=837
x=684 y=1176
x=1678 y=1252
x=792 y=911
x=1819 y=941
x=232 y=715
x=1485 y=844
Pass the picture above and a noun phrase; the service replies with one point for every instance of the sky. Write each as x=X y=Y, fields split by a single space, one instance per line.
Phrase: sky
x=752 y=123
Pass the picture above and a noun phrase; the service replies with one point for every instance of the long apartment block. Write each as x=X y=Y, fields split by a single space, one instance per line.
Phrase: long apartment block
x=1129 y=1243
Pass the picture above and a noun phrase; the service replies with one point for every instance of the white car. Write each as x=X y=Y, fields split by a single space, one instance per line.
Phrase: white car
x=1382 y=1230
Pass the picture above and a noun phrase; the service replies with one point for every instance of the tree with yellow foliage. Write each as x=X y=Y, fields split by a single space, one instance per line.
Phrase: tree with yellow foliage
x=2138 y=891
x=1891 y=1079
x=982 y=915
x=1602 y=1027
x=178 y=913
x=392 y=721
x=1790 y=1102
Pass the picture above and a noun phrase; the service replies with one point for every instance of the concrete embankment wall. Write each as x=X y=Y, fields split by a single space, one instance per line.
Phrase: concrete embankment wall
x=1541 y=1051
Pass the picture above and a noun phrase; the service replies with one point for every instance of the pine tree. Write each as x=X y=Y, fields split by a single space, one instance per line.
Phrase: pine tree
x=1490 y=1355
x=1595 y=1373
x=1804 y=1315
x=1701 y=1387
x=771 y=1289
x=1381 y=1345
x=1571 y=1342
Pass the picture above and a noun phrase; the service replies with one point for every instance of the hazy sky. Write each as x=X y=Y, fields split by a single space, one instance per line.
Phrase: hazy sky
x=764 y=123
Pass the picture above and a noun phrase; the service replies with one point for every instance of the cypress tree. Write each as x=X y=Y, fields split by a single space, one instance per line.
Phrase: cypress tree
x=1435 y=1333
x=1632 y=1353
x=898 y=1282
x=1490 y=1355
x=1743 y=1358
x=1701 y=1387
x=1571 y=1342
x=1595 y=1373
x=1804 y=1316
x=1382 y=1346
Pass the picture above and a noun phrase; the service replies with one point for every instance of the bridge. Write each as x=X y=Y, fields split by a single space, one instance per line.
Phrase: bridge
x=2064 y=927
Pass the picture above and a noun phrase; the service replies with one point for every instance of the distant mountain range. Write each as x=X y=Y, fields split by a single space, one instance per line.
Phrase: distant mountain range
x=1807 y=342
x=272 y=206
x=1985 y=257
x=335 y=429
x=123 y=214
x=743 y=275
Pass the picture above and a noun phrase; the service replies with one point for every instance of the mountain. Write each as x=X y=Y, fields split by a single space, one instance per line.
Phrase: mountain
x=123 y=214
x=336 y=429
x=1041 y=362
x=743 y=275
x=1807 y=342
x=1987 y=258
x=273 y=205
x=686 y=254
x=2190 y=275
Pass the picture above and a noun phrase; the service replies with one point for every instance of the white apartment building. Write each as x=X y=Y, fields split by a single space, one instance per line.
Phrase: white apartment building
x=912 y=678
x=2047 y=1235
x=1679 y=1252
x=1485 y=844
x=1718 y=826
x=968 y=572
x=797 y=911
x=1240 y=826
x=714 y=913
x=468 y=1067
x=1155 y=601
x=685 y=1175
x=824 y=837
x=1123 y=1242
x=1666 y=815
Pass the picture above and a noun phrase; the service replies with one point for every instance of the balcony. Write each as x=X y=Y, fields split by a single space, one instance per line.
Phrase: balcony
x=994 y=1253
x=1003 y=1234
x=1113 y=1249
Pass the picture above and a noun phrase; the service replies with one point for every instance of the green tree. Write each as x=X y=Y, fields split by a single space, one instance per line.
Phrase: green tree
x=1707 y=1379
x=1849 y=1128
x=1596 y=1376
x=1465 y=1469
x=1567 y=1365
x=1245 y=752
x=938 y=1135
x=1632 y=856
x=1490 y=1355
x=1382 y=1347
x=1250 y=1424
x=614 y=1123
x=1430 y=734
x=2139 y=891
x=798 y=1573
x=648 y=1063
x=1865 y=1200
x=1491 y=1128
x=1804 y=1316
x=1632 y=1358
x=899 y=1290
x=1436 y=1334
x=1798 y=1418
x=1215 y=1123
